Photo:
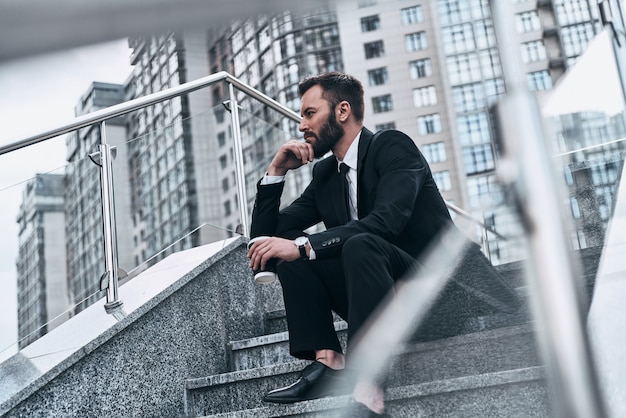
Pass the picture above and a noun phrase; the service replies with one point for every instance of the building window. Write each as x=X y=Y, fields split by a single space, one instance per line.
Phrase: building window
x=424 y=96
x=478 y=159
x=572 y=11
x=223 y=161
x=468 y=97
x=458 y=38
x=527 y=22
x=370 y=23
x=415 y=41
x=454 y=11
x=442 y=178
x=481 y=188
x=490 y=63
x=578 y=240
x=484 y=34
x=225 y=184
x=463 y=69
x=435 y=153
x=473 y=129
x=227 y=209
x=429 y=124
x=221 y=138
x=374 y=49
x=575 y=207
x=385 y=126
x=539 y=80
x=382 y=103
x=420 y=68
x=411 y=15
x=533 y=51
x=576 y=38
x=378 y=76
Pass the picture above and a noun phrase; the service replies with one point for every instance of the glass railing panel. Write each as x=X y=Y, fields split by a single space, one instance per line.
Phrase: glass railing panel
x=174 y=183
x=41 y=286
x=586 y=118
x=587 y=115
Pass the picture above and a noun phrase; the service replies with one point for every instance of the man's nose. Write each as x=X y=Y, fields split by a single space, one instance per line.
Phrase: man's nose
x=302 y=126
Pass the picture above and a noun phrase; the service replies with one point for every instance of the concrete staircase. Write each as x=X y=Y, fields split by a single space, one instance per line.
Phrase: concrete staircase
x=491 y=369
x=484 y=372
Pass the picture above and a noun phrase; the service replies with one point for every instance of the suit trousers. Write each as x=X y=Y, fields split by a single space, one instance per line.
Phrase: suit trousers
x=352 y=285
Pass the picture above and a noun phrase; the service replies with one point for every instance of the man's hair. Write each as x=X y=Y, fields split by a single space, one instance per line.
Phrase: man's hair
x=337 y=87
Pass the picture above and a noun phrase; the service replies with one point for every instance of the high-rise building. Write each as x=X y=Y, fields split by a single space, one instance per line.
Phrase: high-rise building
x=85 y=261
x=171 y=150
x=432 y=69
x=271 y=54
x=41 y=274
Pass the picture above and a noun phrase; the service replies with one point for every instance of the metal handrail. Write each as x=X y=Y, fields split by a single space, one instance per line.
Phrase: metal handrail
x=141 y=102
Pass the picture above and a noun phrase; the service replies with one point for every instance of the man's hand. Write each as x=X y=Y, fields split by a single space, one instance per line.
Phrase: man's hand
x=292 y=154
x=262 y=251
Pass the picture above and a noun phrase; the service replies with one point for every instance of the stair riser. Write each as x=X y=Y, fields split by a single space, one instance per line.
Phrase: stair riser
x=276 y=352
x=469 y=358
x=270 y=354
x=517 y=399
x=235 y=396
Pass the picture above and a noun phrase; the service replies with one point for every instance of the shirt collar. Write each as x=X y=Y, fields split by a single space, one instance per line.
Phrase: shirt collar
x=352 y=155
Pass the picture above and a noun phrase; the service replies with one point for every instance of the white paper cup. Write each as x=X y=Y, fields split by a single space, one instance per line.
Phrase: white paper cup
x=269 y=274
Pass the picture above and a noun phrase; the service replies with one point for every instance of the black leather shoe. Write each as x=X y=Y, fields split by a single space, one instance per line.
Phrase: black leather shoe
x=316 y=380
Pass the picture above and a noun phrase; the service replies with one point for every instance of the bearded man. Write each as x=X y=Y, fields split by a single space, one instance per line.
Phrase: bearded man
x=381 y=208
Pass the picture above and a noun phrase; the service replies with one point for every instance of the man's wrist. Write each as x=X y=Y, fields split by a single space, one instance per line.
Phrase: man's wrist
x=273 y=171
x=301 y=243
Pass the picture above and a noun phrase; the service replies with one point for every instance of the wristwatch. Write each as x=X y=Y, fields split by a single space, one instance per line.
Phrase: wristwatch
x=301 y=244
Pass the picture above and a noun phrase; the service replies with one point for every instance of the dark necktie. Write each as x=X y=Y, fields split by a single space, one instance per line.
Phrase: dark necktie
x=345 y=187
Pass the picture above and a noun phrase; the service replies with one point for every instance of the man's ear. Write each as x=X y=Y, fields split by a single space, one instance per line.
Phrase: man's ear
x=343 y=111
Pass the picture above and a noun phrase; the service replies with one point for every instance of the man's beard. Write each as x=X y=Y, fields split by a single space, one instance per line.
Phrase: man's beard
x=329 y=135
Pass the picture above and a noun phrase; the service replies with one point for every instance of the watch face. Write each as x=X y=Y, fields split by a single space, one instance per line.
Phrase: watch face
x=300 y=241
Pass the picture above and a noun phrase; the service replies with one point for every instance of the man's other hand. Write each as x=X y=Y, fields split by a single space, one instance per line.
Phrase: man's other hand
x=292 y=154
x=280 y=248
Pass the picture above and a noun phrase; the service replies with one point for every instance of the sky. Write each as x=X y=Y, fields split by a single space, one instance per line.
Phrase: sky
x=36 y=94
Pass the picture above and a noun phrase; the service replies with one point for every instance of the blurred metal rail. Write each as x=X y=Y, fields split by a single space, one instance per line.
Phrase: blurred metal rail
x=40 y=26
x=555 y=295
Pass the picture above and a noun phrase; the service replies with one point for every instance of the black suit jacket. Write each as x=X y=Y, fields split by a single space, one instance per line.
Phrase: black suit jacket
x=397 y=199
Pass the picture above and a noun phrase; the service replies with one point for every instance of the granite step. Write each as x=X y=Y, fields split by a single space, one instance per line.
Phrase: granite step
x=518 y=393
x=270 y=349
x=417 y=363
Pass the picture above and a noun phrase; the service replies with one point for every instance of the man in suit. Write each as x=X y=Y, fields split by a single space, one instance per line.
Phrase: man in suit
x=393 y=213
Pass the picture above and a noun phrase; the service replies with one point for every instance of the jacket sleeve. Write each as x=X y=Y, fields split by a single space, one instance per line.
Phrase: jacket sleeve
x=268 y=219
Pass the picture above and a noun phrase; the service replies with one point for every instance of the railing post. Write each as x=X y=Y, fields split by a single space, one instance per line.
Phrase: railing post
x=109 y=280
x=555 y=297
x=239 y=168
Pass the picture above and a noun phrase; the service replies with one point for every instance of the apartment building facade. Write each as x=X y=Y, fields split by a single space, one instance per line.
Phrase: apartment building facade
x=42 y=287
